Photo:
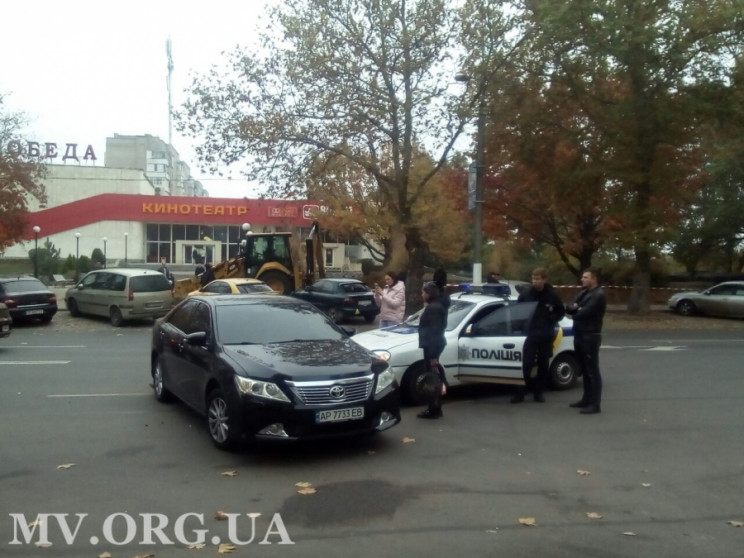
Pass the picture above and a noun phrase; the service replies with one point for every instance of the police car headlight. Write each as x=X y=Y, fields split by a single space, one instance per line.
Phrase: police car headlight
x=382 y=355
x=257 y=388
x=384 y=380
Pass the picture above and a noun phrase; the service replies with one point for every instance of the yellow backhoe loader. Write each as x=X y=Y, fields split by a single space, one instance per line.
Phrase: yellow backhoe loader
x=271 y=257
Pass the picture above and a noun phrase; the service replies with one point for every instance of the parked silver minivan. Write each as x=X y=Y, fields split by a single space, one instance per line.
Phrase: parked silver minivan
x=121 y=294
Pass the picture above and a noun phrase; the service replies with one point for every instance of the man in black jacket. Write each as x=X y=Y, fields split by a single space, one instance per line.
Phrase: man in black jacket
x=588 y=310
x=538 y=347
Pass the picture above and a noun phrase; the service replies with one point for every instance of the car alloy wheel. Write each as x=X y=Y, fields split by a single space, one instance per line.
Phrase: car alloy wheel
x=73 y=308
x=686 y=307
x=117 y=320
x=218 y=421
x=158 y=383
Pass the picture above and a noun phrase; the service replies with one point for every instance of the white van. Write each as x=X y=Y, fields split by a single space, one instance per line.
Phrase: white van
x=121 y=294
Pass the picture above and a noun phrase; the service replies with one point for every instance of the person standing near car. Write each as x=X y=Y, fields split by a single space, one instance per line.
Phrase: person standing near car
x=432 y=324
x=538 y=346
x=588 y=310
x=391 y=299
x=208 y=275
x=165 y=271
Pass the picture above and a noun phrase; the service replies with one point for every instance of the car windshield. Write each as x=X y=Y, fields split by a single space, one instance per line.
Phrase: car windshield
x=149 y=283
x=457 y=311
x=24 y=286
x=272 y=323
x=248 y=288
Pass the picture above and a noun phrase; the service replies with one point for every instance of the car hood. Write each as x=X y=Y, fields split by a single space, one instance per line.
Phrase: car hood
x=388 y=338
x=327 y=359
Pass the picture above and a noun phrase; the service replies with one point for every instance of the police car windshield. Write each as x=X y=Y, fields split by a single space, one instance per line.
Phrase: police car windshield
x=457 y=311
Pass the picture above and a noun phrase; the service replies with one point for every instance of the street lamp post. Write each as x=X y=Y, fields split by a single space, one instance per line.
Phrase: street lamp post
x=105 y=239
x=476 y=171
x=37 y=230
x=77 y=256
x=126 y=239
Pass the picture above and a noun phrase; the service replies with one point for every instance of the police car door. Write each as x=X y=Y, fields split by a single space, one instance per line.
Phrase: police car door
x=490 y=350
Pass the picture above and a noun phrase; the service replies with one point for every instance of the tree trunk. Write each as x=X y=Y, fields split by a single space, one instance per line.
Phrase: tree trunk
x=640 y=294
x=415 y=281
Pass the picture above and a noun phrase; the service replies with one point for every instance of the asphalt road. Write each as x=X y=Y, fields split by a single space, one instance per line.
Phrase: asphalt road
x=663 y=465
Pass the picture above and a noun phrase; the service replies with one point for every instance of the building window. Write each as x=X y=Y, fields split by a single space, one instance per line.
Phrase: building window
x=329 y=257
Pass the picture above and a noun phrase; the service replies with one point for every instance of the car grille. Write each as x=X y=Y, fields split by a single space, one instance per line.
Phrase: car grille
x=333 y=392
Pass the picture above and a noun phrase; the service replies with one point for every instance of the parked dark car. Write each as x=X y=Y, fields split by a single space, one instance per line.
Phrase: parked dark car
x=341 y=298
x=27 y=298
x=269 y=367
x=6 y=322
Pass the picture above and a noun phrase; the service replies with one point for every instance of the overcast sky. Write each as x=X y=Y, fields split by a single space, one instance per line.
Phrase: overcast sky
x=82 y=70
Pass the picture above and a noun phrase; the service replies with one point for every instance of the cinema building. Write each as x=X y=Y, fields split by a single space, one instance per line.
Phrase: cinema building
x=143 y=204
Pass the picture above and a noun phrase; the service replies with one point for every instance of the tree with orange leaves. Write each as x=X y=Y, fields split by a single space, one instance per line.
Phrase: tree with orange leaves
x=19 y=178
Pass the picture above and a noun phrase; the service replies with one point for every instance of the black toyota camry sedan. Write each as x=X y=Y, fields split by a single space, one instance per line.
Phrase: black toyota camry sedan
x=269 y=367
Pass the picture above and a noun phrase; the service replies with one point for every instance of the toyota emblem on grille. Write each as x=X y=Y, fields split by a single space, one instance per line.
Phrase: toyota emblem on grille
x=337 y=392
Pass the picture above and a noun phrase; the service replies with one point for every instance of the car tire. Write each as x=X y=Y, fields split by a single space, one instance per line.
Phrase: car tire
x=277 y=281
x=73 y=308
x=686 y=308
x=219 y=425
x=369 y=318
x=46 y=318
x=564 y=372
x=117 y=320
x=158 y=383
x=336 y=315
x=411 y=383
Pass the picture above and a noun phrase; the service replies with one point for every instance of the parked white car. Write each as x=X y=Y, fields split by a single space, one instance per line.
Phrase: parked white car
x=485 y=336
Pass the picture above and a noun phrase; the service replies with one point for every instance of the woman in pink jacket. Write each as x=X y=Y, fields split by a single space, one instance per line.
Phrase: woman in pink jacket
x=391 y=299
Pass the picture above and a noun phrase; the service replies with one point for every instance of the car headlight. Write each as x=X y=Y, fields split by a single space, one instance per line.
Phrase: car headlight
x=384 y=379
x=257 y=388
x=382 y=355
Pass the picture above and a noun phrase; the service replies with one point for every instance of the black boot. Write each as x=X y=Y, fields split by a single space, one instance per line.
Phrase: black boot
x=590 y=410
x=539 y=397
x=580 y=404
x=518 y=396
x=431 y=413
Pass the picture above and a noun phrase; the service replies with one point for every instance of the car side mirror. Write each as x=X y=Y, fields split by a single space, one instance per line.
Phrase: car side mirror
x=196 y=338
x=348 y=330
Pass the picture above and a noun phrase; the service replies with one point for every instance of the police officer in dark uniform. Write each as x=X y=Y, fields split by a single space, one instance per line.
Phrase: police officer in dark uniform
x=588 y=310
x=538 y=347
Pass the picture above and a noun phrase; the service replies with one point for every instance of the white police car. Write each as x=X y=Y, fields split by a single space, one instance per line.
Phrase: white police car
x=485 y=336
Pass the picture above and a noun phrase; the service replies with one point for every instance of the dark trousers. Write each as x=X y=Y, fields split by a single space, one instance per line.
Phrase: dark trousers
x=436 y=374
x=537 y=350
x=587 y=350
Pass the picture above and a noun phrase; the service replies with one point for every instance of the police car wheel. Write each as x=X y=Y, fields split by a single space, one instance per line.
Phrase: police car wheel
x=564 y=371
x=413 y=380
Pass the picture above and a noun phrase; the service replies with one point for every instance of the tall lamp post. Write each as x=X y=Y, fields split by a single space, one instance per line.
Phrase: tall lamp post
x=105 y=239
x=126 y=239
x=77 y=256
x=37 y=230
x=475 y=177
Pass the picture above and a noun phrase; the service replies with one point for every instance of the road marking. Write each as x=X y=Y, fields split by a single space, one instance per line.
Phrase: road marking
x=97 y=395
x=648 y=347
x=18 y=362
x=46 y=346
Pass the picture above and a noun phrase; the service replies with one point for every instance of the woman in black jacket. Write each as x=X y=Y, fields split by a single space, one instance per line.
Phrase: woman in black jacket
x=432 y=324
